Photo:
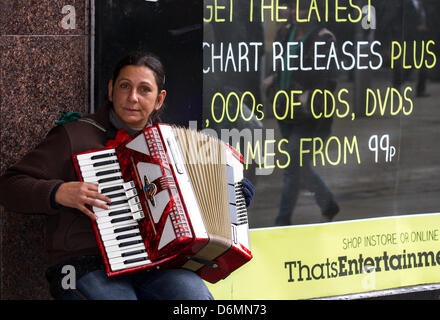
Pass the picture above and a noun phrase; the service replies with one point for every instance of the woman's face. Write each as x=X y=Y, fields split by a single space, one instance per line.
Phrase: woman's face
x=135 y=95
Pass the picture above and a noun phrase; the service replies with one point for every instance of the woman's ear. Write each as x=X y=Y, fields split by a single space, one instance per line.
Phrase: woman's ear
x=160 y=99
x=110 y=91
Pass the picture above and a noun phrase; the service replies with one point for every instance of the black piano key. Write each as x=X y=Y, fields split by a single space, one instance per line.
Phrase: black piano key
x=116 y=220
x=115 y=203
x=109 y=179
x=135 y=260
x=117 y=212
x=116 y=195
x=129 y=243
x=104 y=163
x=106 y=172
x=122 y=229
x=101 y=156
x=128 y=235
x=110 y=189
x=132 y=253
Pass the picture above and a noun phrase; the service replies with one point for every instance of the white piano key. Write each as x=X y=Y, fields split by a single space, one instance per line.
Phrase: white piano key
x=97 y=172
x=127 y=262
x=138 y=215
x=98 y=211
x=106 y=225
x=112 y=187
x=93 y=164
x=118 y=260
x=132 y=203
x=113 y=235
x=124 y=251
x=106 y=219
x=99 y=163
x=89 y=162
x=109 y=183
x=124 y=245
x=89 y=171
x=118 y=201
x=101 y=179
x=113 y=243
x=131 y=193
x=121 y=266
x=96 y=175
x=88 y=156
x=107 y=231
x=113 y=212
x=118 y=194
x=121 y=196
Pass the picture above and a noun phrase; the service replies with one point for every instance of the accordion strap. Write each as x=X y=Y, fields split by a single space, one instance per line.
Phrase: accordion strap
x=94 y=123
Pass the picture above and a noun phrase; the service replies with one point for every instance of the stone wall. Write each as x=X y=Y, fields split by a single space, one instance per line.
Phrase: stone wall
x=44 y=70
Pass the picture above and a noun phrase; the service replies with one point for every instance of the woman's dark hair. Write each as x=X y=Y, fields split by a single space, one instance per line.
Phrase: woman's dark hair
x=151 y=61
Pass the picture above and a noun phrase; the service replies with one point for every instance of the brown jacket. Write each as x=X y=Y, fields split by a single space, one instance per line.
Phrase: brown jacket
x=27 y=185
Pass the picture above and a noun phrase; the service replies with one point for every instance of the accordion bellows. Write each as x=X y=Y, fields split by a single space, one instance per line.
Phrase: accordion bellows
x=205 y=161
x=181 y=205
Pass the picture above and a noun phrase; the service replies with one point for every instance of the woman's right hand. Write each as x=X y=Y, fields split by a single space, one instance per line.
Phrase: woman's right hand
x=79 y=194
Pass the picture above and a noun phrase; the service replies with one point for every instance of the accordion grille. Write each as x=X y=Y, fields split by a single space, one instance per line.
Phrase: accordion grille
x=205 y=161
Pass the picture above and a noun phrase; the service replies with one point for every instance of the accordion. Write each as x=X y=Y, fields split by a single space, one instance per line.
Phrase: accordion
x=177 y=202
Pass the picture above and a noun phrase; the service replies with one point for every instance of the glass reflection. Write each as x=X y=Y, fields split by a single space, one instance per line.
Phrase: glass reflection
x=335 y=116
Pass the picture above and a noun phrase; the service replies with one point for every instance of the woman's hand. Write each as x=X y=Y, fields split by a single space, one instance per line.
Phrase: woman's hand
x=79 y=194
x=248 y=191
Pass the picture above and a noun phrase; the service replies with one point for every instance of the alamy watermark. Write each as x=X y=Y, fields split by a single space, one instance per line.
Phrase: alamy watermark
x=69 y=20
x=69 y=280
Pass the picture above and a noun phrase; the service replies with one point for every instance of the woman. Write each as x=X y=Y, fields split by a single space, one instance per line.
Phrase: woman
x=47 y=183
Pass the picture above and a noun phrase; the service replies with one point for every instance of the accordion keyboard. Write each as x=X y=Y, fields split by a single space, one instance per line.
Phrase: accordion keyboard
x=118 y=225
x=240 y=202
x=237 y=204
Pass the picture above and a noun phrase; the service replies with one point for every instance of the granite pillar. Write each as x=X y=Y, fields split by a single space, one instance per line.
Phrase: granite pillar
x=44 y=70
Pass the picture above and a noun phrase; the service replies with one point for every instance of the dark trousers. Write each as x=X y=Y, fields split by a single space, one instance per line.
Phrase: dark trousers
x=297 y=177
x=173 y=284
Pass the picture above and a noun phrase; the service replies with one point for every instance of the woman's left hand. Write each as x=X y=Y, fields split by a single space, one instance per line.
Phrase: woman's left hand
x=248 y=191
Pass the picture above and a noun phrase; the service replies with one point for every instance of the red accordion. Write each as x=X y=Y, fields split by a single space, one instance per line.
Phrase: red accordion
x=177 y=202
